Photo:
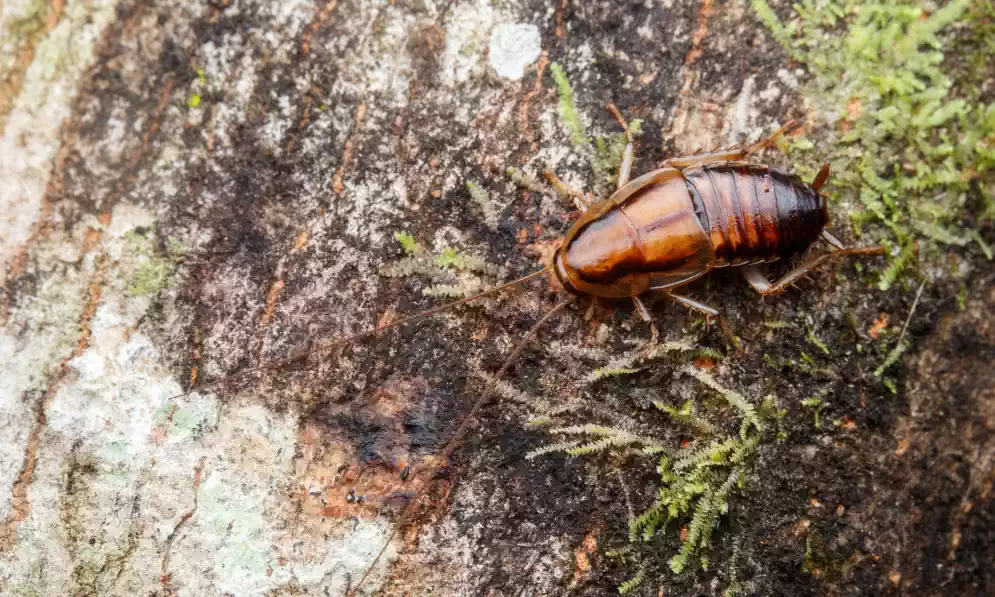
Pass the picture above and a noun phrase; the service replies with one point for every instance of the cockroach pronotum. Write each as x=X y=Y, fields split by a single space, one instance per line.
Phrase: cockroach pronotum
x=659 y=232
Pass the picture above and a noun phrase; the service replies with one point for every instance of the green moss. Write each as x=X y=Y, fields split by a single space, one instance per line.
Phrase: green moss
x=816 y=405
x=407 y=242
x=633 y=583
x=455 y=274
x=912 y=134
x=568 y=110
x=605 y=154
x=449 y=258
x=817 y=342
x=696 y=483
x=524 y=180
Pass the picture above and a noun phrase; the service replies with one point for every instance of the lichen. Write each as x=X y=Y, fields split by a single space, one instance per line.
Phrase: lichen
x=149 y=272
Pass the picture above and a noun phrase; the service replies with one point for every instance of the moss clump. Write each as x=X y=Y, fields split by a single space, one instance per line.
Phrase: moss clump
x=696 y=482
x=913 y=137
x=605 y=153
x=454 y=274
x=569 y=115
x=407 y=242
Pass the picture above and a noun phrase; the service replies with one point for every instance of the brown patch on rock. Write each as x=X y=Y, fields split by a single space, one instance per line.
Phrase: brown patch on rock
x=584 y=554
x=358 y=458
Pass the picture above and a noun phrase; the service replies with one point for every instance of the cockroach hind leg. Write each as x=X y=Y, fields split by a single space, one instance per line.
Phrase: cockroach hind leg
x=756 y=278
x=842 y=249
x=759 y=282
x=828 y=236
x=692 y=304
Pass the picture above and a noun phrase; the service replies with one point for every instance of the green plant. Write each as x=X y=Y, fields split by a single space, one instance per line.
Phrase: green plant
x=696 y=483
x=912 y=134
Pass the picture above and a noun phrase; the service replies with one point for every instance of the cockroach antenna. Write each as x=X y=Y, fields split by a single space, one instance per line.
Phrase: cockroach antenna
x=457 y=436
x=329 y=346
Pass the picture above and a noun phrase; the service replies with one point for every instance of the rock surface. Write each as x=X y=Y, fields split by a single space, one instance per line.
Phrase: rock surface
x=190 y=189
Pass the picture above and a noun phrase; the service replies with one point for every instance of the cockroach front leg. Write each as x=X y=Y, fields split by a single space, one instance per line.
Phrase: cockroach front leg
x=625 y=168
x=759 y=282
x=563 y=190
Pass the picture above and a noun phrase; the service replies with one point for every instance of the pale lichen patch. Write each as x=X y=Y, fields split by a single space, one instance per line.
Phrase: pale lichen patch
x=512 y=48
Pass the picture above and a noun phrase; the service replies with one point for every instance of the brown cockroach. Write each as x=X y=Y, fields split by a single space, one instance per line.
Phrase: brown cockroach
x=673 y=225
x=659 y=232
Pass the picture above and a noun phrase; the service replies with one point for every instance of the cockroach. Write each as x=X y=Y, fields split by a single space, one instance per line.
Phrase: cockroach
x=697 y=213
x=658 y=232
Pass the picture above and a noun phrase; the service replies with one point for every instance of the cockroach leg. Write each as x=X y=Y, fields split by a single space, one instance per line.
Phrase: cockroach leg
x=590 y=309
x=625 y=169
x=645 y=314
x=766 y=142
x=708 y=313
x=564 y=190
x=613 y=109
x=821 y=177
x=692 y=304
x=759 y=282
x=729 y=155
x=700 y=159
x=830 y=238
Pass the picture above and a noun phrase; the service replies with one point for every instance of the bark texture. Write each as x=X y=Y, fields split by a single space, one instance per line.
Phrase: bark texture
x=194 y=188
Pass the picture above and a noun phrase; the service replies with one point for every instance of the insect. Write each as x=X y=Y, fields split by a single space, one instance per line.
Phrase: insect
x=657 y=232
x=673 y=225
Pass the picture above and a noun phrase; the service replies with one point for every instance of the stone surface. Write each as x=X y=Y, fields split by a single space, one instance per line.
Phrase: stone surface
x=190 y=189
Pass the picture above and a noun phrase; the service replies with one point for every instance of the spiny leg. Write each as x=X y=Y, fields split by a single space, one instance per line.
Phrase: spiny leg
x=830 y=238
x=645 y=314
x=729 y=155
x=566 y=191
x=759 y=282
x=707 y=311
x=625 y=168
x=768 y=141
